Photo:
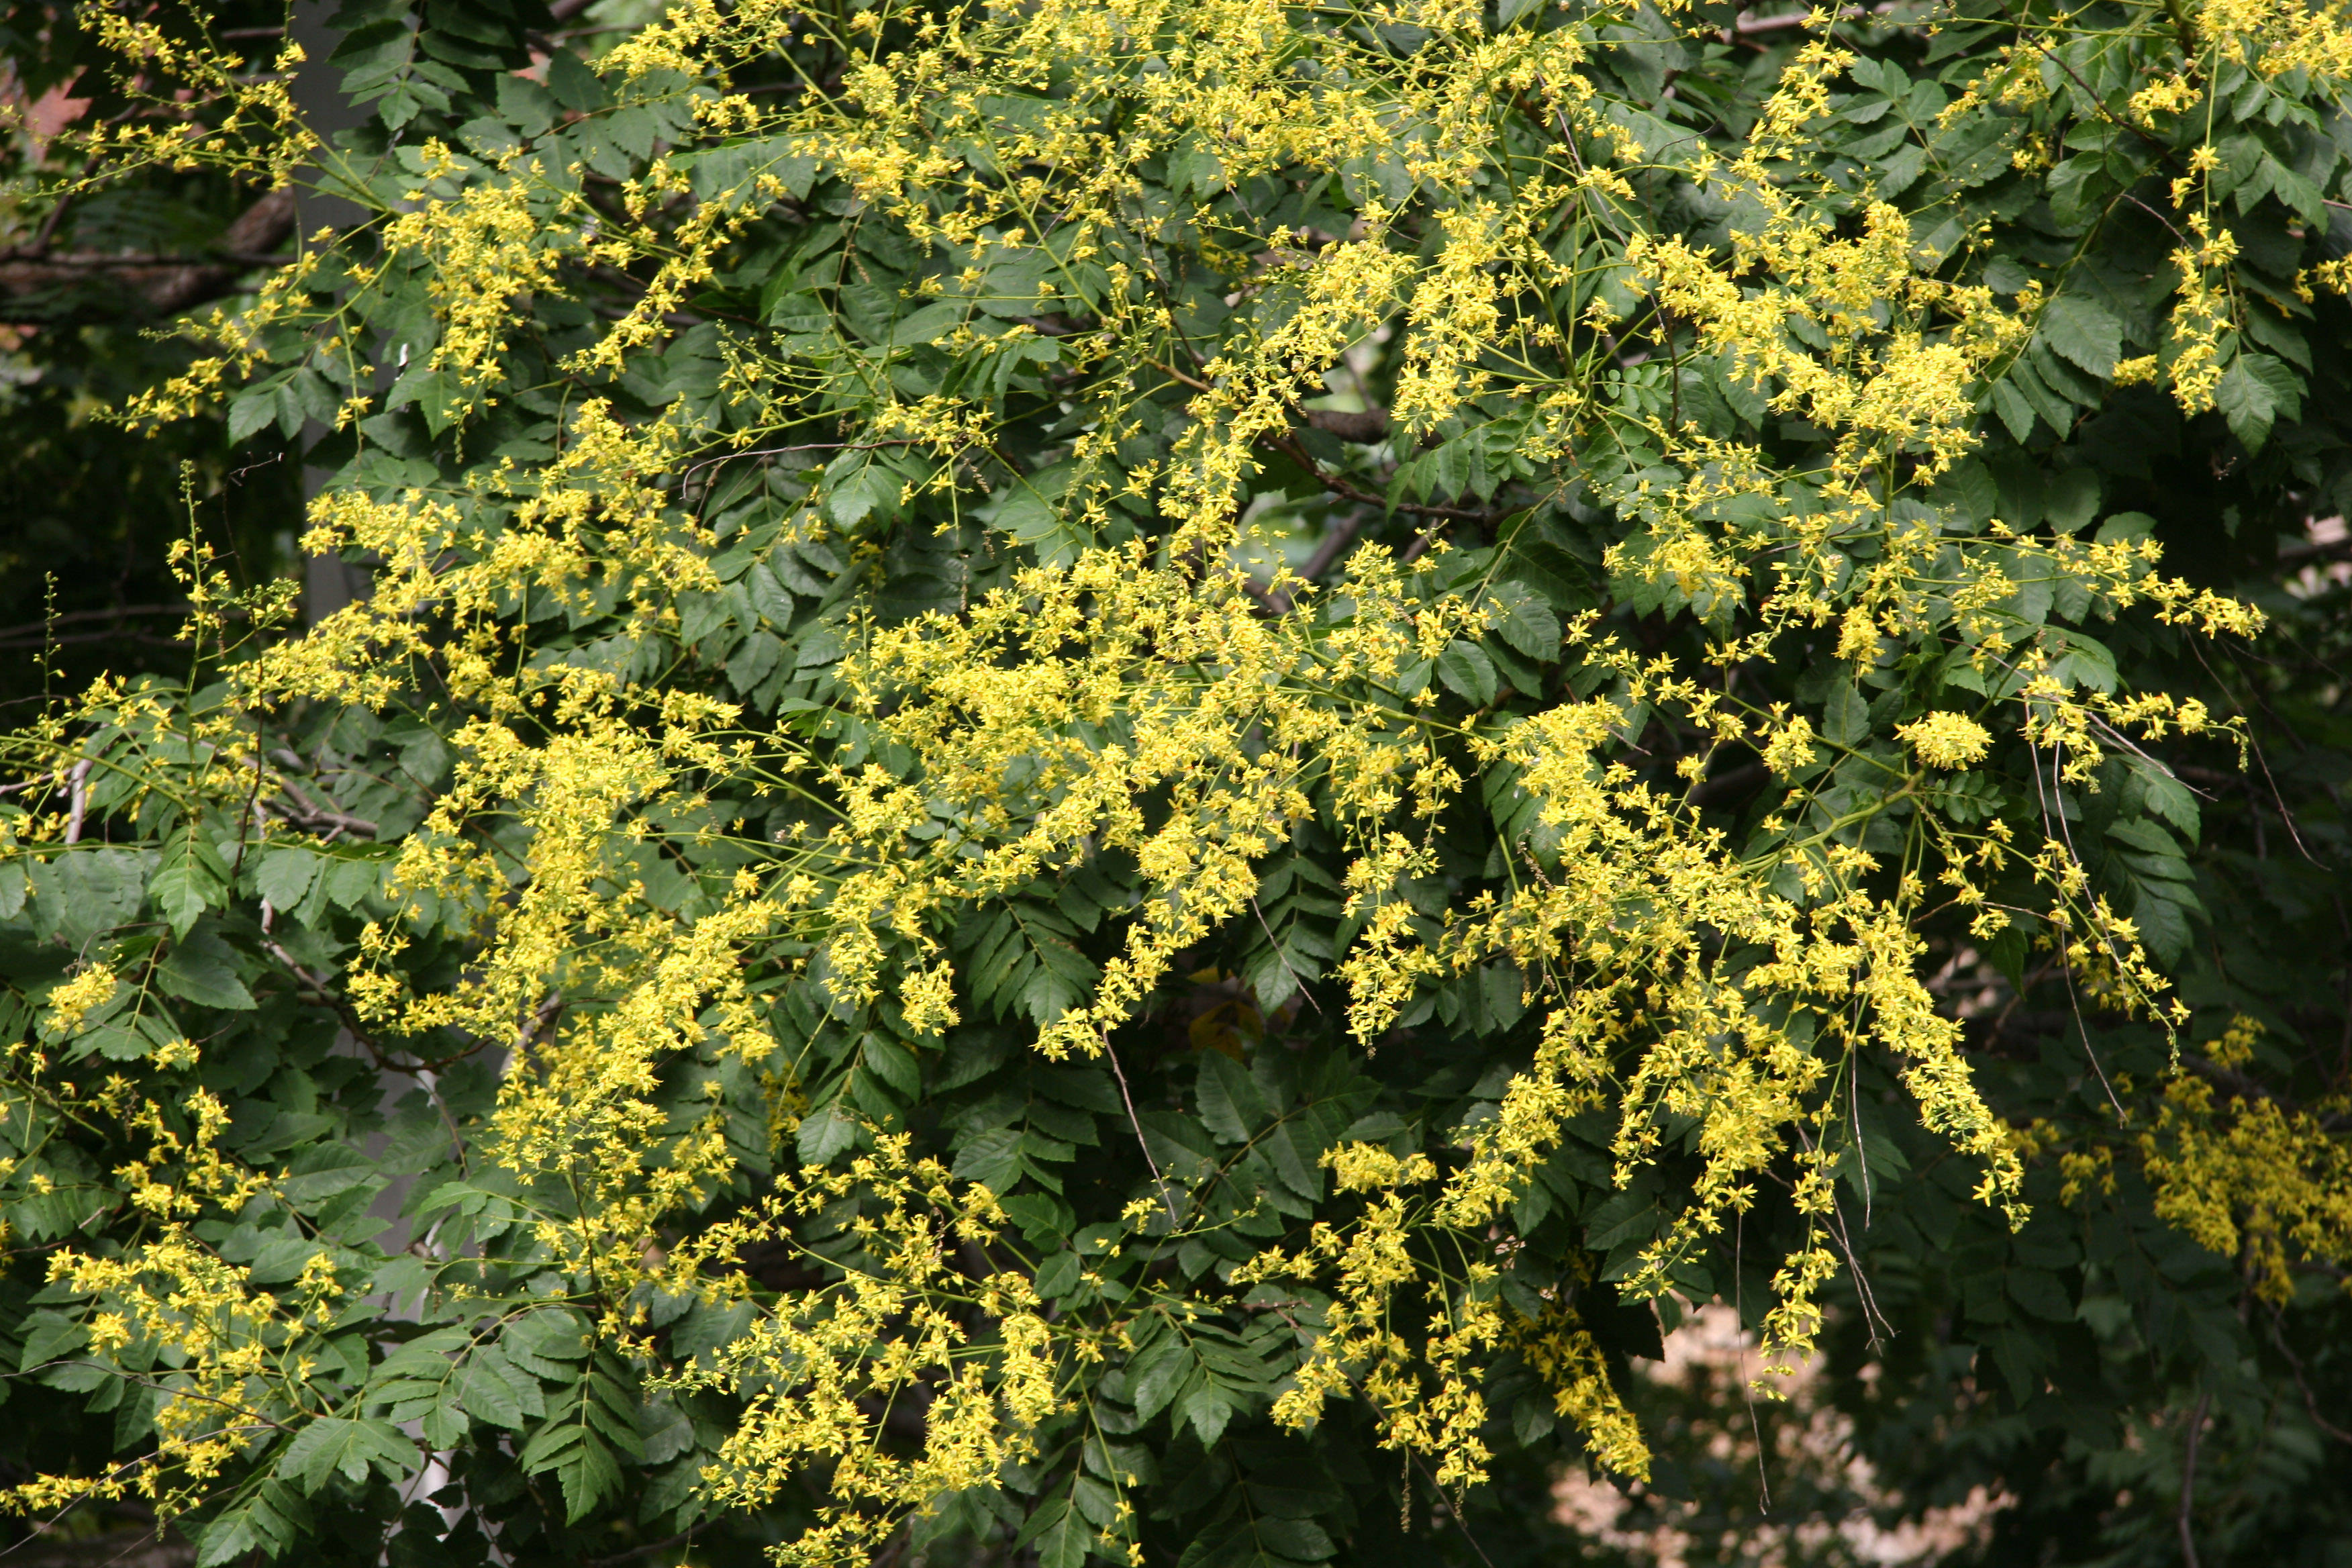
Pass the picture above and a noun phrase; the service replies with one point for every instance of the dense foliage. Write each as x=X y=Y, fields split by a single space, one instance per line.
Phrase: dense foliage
x=1125 y=777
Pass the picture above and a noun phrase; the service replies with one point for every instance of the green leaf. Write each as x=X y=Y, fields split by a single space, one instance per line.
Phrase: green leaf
x=254 y=408
x=335 y=1443
x=893 y=1063
x=584 y=1468
x=190 y=879
x=825 y=1135
x=284 y=873
x=2162 y=920
x=1207 y=1410
x=1028 y=512
x=2038 y=1292
x=1846 y=720
x=491 y=1389
x=2074 y=500
x=267 y=1516
x=2015 y=412
x=991 y=1157
x=48 y=1336
x=2248 y=402
x=350 y=879
x=1969 y=490
x=768 y=596
x=201 y=967
x=663 y=1432
x=1059 y=1534
x=1230 y=1105
x=1467 y=672
x=2084 y=331
x=860 y=489
x=1522 y=620
x=2142 y=833
x=1298 y=1538
x=1155 y=1378
x=545 y=1343
x=574 y=85
x=2170 y=799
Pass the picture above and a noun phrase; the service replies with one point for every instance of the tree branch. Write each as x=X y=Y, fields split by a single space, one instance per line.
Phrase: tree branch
x=157 y=285
x=136 y=1548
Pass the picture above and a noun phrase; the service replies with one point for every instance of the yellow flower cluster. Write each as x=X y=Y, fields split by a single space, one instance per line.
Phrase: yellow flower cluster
x=1944 y=739
x=1148 y=700
x=2265 y=1184
x=820 y=1375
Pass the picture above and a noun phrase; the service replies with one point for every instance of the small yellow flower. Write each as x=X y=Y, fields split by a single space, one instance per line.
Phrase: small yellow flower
x=75 y=1000
x=929 y=1000
x=1946 y=739
x=1790 y=749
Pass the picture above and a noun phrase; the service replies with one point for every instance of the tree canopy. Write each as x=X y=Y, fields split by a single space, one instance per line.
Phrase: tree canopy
x=1151 y=782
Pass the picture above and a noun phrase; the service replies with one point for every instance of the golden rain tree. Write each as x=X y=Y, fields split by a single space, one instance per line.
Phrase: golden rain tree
x=1125 y=779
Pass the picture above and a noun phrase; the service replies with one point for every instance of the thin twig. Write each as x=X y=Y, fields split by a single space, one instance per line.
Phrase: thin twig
x=2310 y=1401
x=1341 y=534
x=311 y=815
x=2065 y=936
x=111 y=613
x=1141 y=1142
x=2189 y=1482
x=1453 y=1504
x=1280 y=957
x=1290 y=448
x=1740 y=1332
x=633 y=1552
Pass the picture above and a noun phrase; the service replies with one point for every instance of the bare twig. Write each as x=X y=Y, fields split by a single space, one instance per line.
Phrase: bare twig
x=311 y=816
x=111 y=613
x=2310 y=1401
x=2189 y=1482
x=1290 y=448
x=1282 y=958
x=1328 y=551
x=163 y=284
x=633 y=1552
x=1174 y=1219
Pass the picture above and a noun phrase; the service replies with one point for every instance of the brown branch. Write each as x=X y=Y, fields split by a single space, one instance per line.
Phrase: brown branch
x=159 y=286
x=1363 y=428
x=2310 y=1400
x=1327 y=553
x=309 y=815
x=1290 y=448
x=1175 y=1220
x=111 y=613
